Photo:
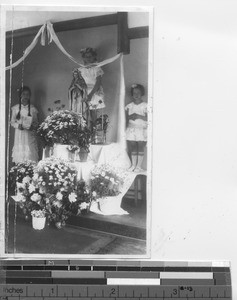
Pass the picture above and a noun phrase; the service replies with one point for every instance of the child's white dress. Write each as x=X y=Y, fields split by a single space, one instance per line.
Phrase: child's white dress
x=90 y=74
x=25 y=142
x=137 y=129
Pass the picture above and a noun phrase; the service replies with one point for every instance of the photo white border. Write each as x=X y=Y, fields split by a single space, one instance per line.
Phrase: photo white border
x=3 y=10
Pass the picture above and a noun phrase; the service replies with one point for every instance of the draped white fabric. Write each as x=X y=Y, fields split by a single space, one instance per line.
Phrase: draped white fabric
x=47 y=30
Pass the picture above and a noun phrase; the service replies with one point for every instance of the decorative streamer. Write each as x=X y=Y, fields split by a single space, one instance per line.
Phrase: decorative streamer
x=8 y=139
x=47 y=30
x=27 y=50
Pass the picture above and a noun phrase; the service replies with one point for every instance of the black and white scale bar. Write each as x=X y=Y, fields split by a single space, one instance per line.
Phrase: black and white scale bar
x=112 y=292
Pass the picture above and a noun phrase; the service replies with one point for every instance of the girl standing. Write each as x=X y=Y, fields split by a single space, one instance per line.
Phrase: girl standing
x=25 y=121
x=136 y=133
x=92 y=76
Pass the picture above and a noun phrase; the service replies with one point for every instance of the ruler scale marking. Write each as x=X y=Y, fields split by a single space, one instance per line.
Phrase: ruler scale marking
x=91 y=280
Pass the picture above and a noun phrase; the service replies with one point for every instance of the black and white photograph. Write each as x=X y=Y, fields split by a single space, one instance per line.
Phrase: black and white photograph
x=76 y=128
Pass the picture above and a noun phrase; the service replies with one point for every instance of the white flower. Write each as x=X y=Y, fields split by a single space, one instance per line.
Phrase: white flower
x=42 y=190
x=26 y=179
x=50 y=177
x=20 y=185
x=57 y=204
x=106 y=177
x=38 y=213
x=35 y=197
x=43 y=183
x=112 y=180
x=103 y=174
x=31 y=188
x=94 y=193
x=45 y=126
x=72 y=197
x=59 y=196
x=83 y=205
x=19 y=198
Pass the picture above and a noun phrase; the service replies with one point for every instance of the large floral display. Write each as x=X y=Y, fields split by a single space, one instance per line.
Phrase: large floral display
x=67 y=128
x=51 y=190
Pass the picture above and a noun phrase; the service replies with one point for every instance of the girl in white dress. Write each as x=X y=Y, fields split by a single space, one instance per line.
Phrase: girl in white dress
x=25 y=121
x=93 y=77
x=136 y=133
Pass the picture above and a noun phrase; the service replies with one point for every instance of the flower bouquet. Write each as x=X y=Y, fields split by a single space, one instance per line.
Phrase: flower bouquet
x=106 y=184
x=54 y=174
x=53 y=191
x=65 y=127
x=21 y=173
x=106 y=181
x=29 y=197
x=65 y=196
x=64 y=204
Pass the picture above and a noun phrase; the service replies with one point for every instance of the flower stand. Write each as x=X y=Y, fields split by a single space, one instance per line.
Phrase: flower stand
x=38 y=223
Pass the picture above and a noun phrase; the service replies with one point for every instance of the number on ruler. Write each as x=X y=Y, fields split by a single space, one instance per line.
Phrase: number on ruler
x=175 y=292
x=112 y=293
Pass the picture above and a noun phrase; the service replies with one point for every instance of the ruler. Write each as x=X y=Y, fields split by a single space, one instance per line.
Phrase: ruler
x=111 y=280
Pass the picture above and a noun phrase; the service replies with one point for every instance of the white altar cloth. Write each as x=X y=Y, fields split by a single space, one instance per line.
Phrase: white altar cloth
x=112 y=154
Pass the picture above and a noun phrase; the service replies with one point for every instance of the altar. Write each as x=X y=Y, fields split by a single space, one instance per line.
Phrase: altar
x=112 y=154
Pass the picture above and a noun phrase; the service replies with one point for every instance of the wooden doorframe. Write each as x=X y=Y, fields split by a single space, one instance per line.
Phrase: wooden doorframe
x=120 y=19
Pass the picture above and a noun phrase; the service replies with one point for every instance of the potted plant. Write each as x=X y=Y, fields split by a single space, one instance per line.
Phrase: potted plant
x=66 y=132
x=106 y=185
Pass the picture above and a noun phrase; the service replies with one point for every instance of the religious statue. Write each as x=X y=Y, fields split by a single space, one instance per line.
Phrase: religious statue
x=78 y=94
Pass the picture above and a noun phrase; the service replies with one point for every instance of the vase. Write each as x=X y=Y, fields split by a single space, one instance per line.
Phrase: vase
x=38 y=223
x=83 y=154
x=111 y=205
x=61 y=151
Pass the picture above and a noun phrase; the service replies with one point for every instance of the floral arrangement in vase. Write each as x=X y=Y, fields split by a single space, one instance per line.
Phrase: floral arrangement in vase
x=29 y=197
x=106 y=181
x=21 y=172
x=65 y=127
x=55 y=190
